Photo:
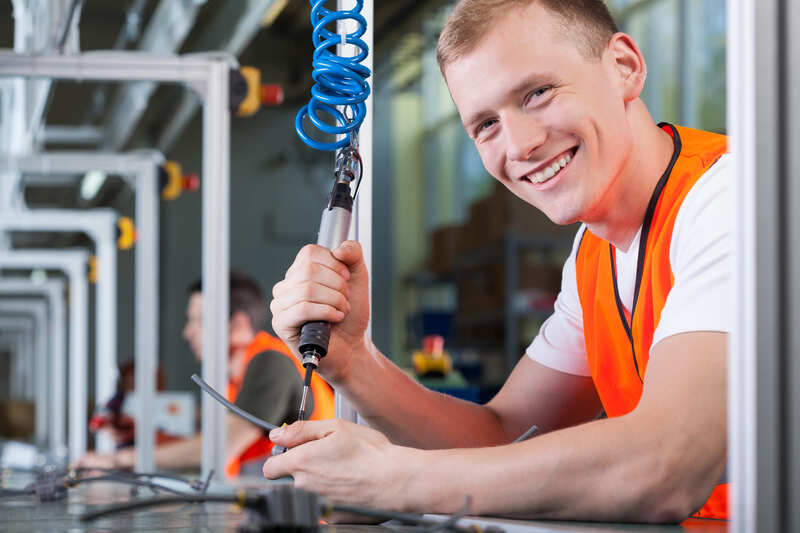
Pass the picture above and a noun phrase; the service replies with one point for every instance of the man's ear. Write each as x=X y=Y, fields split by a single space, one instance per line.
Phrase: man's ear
x=627 y=64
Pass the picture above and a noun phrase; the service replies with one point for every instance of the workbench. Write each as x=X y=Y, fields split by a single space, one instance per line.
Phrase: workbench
x=27 y=514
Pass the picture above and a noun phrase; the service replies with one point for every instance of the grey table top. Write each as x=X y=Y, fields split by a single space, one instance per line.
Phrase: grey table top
x=26 y=513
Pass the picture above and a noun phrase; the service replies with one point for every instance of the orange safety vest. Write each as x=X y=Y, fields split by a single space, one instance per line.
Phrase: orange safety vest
x=322 y=393
x=616 y=350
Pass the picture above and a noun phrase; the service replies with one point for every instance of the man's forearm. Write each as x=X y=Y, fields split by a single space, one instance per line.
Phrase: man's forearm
x=185 y=453
x=410 y=414
x=604 y=470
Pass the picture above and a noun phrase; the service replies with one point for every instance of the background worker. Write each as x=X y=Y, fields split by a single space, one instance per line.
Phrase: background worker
x=549 y=91
x=263 y=379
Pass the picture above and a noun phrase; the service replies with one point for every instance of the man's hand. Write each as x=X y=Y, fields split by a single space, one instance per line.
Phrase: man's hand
x=329 y=286
x=122 y=460
x=341 y=461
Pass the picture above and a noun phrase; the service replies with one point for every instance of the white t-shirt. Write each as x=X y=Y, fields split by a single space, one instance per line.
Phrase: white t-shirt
x=700 y=258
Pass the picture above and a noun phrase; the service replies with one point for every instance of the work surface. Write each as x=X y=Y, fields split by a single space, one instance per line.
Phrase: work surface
x=26 y=513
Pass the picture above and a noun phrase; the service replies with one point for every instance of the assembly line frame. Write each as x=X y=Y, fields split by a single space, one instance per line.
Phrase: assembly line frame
x=37 y=373
x=23 y=328
x=74 y=264
x=141 y=170
x=208 y=75
x=99 y=225
x=52 y=290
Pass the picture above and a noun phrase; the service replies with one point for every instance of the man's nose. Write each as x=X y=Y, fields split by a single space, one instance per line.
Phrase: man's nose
x=523 y=135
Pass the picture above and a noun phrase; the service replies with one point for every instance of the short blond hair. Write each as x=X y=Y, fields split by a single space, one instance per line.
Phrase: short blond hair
x=587 y=20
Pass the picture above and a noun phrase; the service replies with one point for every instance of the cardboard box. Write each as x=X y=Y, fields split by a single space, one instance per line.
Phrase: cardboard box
x=17 y=419
x=444 y=246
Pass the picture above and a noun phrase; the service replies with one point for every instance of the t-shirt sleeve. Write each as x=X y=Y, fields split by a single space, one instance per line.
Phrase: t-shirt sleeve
x=700 y=257
x=272 y=389
x=560 y=344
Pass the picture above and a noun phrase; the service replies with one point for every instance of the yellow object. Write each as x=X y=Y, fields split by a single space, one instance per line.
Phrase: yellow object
x=174 y=185
x=252 y=101
x=426 y=363
x=126 y=233
x=93 y=269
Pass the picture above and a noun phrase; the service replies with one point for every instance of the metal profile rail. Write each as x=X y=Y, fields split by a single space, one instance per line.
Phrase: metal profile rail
x=140 y=169
x=208 y=76
x=20 y=331
x=73 y=264
x=99 y=225
x=52 y=290
x=37 y=309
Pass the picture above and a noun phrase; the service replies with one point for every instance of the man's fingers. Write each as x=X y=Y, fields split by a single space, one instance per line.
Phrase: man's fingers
x=349 y=253
x=315 y=293
x=313 y=253
x=302 y=431
x=320 y=274
x=278 y=466
x=303 y=312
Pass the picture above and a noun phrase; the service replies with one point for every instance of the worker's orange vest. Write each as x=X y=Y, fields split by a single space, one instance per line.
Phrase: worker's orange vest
x=618 y=352
x=322 y=393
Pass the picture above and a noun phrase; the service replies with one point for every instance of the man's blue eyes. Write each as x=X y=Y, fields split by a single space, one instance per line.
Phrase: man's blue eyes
x=531 y=95
x=538 y=92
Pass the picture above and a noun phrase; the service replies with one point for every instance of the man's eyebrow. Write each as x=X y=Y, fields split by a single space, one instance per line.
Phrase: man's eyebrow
x=535 y=79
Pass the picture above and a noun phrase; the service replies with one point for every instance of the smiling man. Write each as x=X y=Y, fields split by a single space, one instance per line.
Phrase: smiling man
x=549 y=90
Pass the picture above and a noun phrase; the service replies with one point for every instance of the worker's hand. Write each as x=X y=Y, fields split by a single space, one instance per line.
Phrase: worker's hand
x=330 y=286
x=342 y=461
x=122 y=460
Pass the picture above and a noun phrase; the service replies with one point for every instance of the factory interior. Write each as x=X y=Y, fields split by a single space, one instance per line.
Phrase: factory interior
x=177 y=178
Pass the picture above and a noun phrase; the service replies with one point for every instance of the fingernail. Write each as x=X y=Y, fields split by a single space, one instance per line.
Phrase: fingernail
x=275 y=433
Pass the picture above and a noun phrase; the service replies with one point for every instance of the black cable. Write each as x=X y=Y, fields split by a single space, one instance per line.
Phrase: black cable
x=153 y=502
x=196 y=484
x=9 y=493
x=256 y=501
x=122 y=479
x=236 y=410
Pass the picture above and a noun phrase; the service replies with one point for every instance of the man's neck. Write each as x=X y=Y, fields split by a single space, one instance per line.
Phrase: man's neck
x=236 y=361
x=627 y=201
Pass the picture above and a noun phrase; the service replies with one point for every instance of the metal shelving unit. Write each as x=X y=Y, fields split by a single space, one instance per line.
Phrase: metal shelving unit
x=509 y=250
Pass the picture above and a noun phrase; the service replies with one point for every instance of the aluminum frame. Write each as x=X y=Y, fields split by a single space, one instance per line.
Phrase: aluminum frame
x=40 y=372
x=52 y=290
x=99 y=225
x=208 y=75
x=22 y=329
x=140 y=169
x=73 y=263
x=763 y=372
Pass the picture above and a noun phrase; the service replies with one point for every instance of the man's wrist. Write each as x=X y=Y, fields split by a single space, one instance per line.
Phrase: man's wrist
x=360 y=354
x=415 y=485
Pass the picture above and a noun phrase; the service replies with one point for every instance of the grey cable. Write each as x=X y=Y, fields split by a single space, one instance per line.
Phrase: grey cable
x=236 y=410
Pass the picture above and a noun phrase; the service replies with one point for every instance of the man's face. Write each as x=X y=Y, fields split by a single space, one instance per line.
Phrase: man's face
x=530 y=99
x=193 y=330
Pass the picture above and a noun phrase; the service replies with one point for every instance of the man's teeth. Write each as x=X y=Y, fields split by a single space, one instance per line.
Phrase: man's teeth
x=552 y=170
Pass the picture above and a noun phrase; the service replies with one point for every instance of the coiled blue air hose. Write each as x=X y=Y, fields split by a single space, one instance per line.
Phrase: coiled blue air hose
x=338 y=81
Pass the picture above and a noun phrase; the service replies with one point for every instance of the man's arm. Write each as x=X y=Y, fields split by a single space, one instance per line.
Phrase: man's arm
x=334 y=286
x=180 y=454
x=413 y=415
x=658 y=463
